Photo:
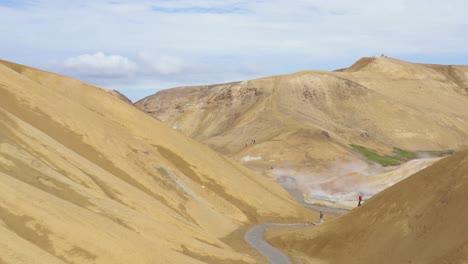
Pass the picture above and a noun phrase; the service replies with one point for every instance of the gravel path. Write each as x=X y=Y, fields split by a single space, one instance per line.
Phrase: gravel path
x=255 y=235
x=255 y=238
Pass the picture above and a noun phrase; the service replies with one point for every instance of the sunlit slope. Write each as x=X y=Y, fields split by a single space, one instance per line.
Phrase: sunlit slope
x=307 y=120
x=86 y=177
x=419 y=220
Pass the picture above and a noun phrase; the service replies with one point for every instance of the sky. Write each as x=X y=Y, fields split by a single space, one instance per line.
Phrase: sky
x=140 y=47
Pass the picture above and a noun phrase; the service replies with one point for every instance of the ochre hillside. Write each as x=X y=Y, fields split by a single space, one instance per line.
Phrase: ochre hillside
x=87 y=178
x=419 y=220
x=311 y=124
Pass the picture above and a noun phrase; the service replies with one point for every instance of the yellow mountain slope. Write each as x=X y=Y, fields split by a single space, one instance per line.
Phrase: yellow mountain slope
x=302 y=125
x=87 y=178
x=380 y=103
x=419 y=220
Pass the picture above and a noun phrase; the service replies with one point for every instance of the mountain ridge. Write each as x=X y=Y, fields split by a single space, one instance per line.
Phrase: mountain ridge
x=304 y=124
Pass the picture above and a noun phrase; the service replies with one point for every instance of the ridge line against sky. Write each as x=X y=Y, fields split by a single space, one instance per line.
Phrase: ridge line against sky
x=139 y=47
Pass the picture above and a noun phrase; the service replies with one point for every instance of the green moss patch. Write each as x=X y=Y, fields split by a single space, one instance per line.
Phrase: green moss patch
x=399 y=155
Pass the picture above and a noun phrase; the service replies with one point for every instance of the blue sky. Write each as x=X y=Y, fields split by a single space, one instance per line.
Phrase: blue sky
x=139 y=47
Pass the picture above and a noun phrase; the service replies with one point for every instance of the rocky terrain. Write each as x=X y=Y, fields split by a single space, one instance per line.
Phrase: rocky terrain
x=322 y=128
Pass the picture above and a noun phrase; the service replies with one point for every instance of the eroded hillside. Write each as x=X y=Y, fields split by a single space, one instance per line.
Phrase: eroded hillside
x=419 y=220
x=309 y=125
x=87 y=178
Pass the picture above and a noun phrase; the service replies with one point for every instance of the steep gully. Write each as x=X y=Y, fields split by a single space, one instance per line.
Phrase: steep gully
x=255 y=235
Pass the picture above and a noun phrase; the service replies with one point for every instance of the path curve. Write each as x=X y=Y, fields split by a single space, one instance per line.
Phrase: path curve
x=255 y=238
x=255 y=235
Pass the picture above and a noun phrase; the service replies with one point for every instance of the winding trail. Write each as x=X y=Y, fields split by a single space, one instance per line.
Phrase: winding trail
x=255 y=238
x=255 y=235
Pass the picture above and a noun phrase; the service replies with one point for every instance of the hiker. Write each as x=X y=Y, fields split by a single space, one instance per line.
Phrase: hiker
x=321 y=217
x=360 y=199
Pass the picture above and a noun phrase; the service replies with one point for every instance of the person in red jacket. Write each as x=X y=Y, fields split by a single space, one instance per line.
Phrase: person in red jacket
x=360 y=199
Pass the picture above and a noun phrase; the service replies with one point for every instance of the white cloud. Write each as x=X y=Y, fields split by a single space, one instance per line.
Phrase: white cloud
x=208 y=41
x=101 y=65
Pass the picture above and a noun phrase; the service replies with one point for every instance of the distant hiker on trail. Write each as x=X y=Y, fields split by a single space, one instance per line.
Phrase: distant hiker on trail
x=321 y=217
x=360 y=199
